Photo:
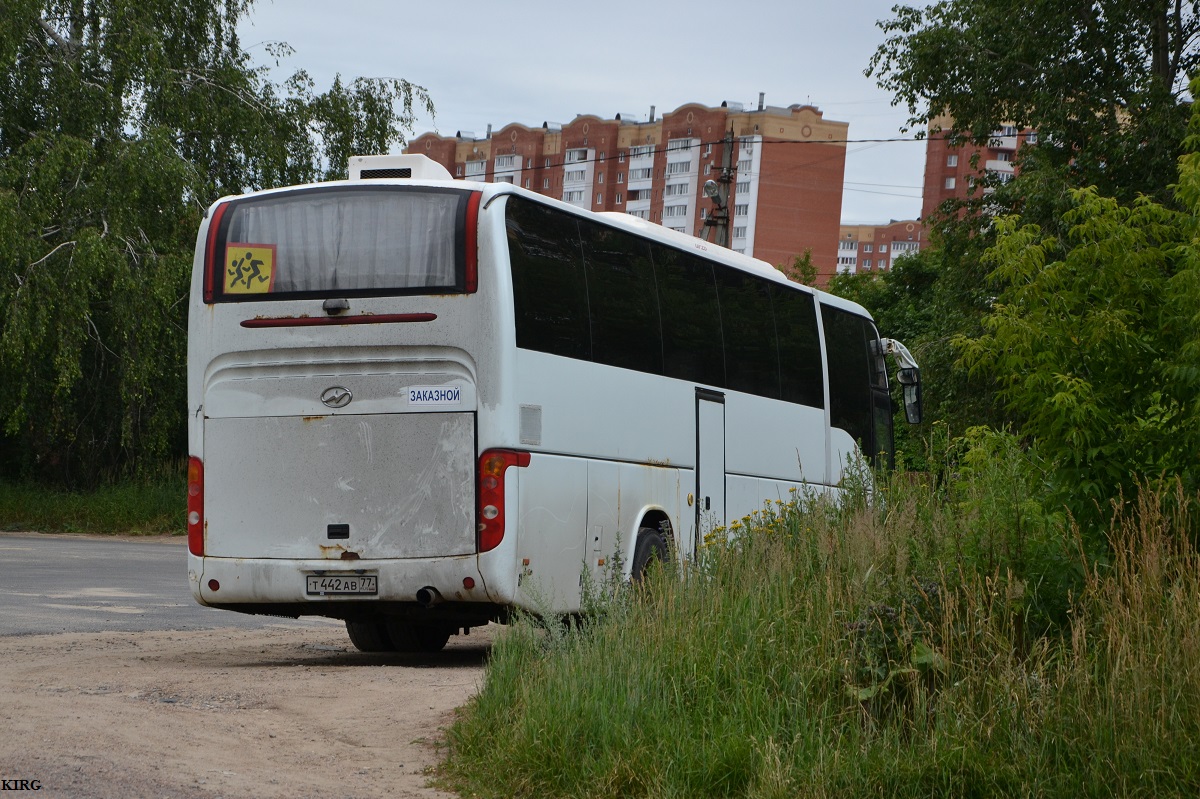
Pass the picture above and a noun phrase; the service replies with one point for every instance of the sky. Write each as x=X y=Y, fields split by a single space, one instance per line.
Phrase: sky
x=533 y=61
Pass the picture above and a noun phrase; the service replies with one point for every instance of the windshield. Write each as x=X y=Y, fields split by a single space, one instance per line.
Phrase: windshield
x=323 y=242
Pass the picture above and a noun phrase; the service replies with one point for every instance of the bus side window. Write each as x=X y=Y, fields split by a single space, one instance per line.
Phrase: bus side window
x=751 y=349
x=623 y=299
x=850 y=376
x=691 y=317
x=800 y=370
x=549 y=292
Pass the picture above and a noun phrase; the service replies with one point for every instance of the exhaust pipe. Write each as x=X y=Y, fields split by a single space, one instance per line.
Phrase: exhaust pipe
x=428 y=596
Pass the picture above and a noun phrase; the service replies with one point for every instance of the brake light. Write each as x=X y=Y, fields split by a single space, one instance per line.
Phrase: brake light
x=492 y=467
x=472 y=242
x=195 y=506
x=211 y=270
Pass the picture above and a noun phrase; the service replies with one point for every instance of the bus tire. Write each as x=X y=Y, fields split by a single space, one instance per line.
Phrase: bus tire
x=651 y=546
x=412 y=636
x=369 y=636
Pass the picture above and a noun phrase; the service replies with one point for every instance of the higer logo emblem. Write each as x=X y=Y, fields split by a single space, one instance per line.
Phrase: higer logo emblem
x=336 y=396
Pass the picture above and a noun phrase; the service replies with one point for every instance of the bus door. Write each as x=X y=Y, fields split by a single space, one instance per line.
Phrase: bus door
x=710 y=462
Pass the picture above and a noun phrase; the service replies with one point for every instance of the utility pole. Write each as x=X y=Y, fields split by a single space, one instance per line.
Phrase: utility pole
x=718 y=191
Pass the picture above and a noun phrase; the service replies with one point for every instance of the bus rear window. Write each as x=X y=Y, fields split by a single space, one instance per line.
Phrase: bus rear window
x=331 y=242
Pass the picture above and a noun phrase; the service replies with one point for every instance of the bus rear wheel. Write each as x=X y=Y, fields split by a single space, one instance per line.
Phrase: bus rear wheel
x=369 y=636
x=411 y=636
x=651 y=546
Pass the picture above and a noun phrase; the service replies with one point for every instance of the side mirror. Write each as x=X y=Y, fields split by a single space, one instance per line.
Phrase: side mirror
x=910 y=379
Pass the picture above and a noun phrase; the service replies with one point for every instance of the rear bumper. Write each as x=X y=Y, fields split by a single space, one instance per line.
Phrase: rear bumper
x=264 y=585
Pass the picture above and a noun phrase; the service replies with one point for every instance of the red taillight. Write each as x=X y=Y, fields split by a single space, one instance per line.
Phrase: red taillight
x=472 y=242
x=195 y=506
x=492 y=466
x=211 y=259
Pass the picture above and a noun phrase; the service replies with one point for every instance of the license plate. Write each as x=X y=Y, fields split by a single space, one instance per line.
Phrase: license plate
x=326 y=584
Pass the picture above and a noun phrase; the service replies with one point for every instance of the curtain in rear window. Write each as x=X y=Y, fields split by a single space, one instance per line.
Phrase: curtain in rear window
x=343 y=241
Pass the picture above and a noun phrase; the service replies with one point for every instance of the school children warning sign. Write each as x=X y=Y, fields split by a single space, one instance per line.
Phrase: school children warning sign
x=249 y=268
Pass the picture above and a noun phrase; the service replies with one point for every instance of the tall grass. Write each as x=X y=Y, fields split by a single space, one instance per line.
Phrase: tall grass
x=905 y=645
x=148 y=506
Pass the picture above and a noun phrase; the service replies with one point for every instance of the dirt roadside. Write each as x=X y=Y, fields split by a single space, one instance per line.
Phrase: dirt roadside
x=227 y=713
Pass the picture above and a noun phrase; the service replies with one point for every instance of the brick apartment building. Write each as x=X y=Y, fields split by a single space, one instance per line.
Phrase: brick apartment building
x=875 y=248
x=951 y=172
x=785 y=195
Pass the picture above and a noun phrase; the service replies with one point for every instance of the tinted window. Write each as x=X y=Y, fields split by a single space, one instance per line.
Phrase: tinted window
x=751 y=354
x=850 y=375
x=623 y=299
x=800 y=370
x=691 y=317
x=549 y=292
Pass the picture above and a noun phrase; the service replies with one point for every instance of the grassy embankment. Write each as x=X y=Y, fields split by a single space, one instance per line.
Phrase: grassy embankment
x=151 y=506
x=953 y=641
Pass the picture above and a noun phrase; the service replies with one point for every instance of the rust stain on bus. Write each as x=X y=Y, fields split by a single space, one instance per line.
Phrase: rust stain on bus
x=307 y=419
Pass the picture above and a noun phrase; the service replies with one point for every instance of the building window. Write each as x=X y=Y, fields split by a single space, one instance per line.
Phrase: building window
x=641 y=151
x=678 y=144
x=576 y=156
x=599 y=199
x=458 y=170
x=708 y=169
x=741 y=209
x=744 y=166
x=574 y=176
x=506 y=161
x=679 y=167
x=621 y=157
x=547 y=164
x=952 y=160
x=600 y=178
x=676 y=189
x=573 y=196
x=1004 y=156
x=867 y=264
x=743 y=186
x=475 y=168
x=883 y=248
x=672 y=211
x=949 y=183
x=620 y=177
x=639 y=214
x=527 y=183
x=529 y=163
x=708 y=149
x=639 y=174
x=868 y=247
x=504 y=179
x=617 y=198
x=739 y=232
x=545 y=183
x=1031 y=137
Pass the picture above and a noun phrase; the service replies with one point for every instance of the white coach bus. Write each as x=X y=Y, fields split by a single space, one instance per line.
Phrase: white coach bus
x=417 y=403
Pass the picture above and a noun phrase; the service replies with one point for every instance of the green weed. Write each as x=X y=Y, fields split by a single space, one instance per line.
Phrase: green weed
x=933 y=637
x=149 y=506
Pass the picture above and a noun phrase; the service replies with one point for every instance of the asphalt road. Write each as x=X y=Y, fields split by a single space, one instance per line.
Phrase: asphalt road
x=63 y=583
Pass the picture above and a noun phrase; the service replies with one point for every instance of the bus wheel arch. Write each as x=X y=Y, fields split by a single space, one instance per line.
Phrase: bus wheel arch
x=655 y=541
